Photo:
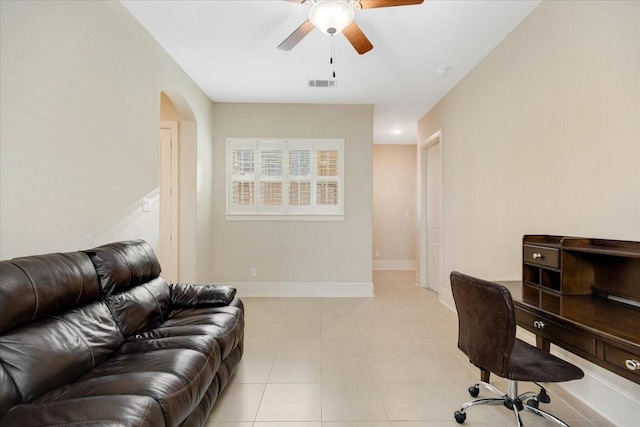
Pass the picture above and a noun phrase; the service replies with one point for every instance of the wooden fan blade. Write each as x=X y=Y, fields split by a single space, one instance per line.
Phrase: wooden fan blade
x=371 y=4
x=297 y=35
x=356 y=37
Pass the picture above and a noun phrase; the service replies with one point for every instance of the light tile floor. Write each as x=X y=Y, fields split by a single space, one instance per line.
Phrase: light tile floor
x=387 y=361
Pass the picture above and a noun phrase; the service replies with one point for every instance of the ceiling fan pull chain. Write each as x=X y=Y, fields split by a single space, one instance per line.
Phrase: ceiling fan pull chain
x=333 y=55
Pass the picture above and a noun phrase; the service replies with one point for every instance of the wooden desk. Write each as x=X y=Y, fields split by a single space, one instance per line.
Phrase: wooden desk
x=604 y=332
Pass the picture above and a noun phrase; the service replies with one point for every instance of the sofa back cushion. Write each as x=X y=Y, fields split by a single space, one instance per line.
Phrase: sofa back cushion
x=32 y=290
x=51 y=352
x=36 y=287
x=141 y=307
x=54 y=325
x=9 y=395
x=123 y=265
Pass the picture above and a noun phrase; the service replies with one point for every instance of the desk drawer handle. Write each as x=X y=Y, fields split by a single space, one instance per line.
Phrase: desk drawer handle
x=539 y=324
x=537 y=256
x=632 y=364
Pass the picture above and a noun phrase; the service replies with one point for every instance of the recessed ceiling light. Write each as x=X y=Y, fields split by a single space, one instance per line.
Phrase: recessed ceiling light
x=442 y=71
x=396 y=131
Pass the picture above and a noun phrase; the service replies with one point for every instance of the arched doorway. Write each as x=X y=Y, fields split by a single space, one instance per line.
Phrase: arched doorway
x=177 y=190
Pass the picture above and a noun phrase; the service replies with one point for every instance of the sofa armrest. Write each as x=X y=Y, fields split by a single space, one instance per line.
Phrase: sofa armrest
x=187 y=295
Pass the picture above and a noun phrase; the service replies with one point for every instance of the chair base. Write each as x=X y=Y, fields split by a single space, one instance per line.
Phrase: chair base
x=511 y=401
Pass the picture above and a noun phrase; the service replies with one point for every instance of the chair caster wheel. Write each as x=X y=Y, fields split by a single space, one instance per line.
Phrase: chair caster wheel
x=543 y=396
x=474 y=391
x=460 y=417
x=533 y=403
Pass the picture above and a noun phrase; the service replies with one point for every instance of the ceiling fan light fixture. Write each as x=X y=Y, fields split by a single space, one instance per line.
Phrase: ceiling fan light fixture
x=331 y=16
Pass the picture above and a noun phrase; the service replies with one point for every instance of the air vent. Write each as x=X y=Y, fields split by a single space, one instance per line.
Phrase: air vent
x=322 y=83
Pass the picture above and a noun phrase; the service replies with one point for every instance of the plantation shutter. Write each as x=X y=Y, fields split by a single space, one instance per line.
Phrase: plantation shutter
x=242 y=182
x=328 y=170
x=285 y=178
x=300 y=177
x=271 y=177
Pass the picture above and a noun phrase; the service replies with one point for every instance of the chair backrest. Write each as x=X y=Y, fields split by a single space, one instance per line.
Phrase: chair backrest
x=486 y=322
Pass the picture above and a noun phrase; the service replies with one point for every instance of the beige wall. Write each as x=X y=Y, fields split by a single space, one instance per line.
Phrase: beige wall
x=79 y=113
x=543 y=136
x=394 y=194
x=296 y=252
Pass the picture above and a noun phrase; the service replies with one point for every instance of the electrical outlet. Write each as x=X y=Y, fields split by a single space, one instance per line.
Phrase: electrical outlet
x=253 y=272
x=377 y=254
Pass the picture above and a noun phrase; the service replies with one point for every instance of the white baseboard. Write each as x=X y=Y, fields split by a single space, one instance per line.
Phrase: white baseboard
x=394 y=265
x=325 y=289
x=615 y=398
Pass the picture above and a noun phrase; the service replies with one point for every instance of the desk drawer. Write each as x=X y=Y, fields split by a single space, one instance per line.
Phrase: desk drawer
x=560 y=335
x=541 y=255
x=622 y=359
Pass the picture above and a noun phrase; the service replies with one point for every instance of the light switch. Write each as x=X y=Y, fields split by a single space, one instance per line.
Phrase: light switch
x=146 y=204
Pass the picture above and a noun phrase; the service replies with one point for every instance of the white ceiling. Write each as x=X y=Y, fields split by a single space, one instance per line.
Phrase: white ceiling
x=229 y=48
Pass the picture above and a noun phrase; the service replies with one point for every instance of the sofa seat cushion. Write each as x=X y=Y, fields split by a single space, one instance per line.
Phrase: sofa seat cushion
x=103 y=411
x=176 y=378
x=225 y=324
x=201 y=343
x=186 y=364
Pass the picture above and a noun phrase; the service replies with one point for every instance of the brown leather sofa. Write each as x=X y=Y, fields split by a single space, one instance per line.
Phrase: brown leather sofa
x=97 y=338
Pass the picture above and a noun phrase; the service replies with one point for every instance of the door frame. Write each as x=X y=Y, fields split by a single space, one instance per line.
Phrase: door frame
x=423 y=269
x=172 y=271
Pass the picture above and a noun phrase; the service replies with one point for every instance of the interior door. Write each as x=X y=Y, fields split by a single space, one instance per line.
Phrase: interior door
x=168 y=229
x=433 y=186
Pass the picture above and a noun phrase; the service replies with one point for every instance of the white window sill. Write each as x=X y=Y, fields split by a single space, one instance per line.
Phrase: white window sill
x=282 y=217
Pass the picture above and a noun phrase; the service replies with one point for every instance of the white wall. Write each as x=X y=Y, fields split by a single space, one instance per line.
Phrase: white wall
x=79 y=114
x=543 y=137
x=297 y=258
x=394 y=195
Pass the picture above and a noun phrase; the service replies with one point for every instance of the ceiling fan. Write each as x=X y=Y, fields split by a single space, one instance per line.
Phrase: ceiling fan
x=335 y=16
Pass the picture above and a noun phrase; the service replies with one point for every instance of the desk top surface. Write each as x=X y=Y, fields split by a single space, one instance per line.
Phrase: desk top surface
x=617 y=321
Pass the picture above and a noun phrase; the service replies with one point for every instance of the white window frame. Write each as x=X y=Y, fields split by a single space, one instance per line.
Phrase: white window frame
x=285 y=212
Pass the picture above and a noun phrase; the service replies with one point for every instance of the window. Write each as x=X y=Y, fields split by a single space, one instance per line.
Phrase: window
x=285 y=179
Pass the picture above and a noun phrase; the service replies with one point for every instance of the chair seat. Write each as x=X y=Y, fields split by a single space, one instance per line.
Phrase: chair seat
x=529 y=363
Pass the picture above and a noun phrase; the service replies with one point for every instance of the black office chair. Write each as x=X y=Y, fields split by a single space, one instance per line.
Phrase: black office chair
x=487 y=335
